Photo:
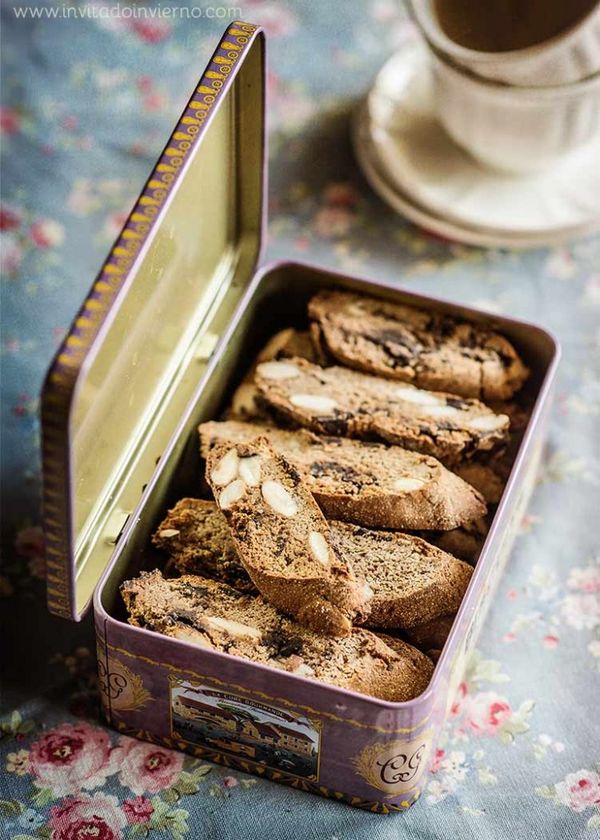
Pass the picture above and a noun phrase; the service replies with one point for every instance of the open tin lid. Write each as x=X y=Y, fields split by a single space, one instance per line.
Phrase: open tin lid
x=143 y=337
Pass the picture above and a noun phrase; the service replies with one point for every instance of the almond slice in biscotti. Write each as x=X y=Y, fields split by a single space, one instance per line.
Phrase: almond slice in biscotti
x=343 y=402
x=246 y=403
x=371 y=484
x=213 y=615
x=426 y=348
x=412 y=581
x=283 y=539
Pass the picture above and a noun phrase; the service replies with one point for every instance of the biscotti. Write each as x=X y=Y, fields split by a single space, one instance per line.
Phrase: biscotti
x=428 y=349
x=484 y=478
x=282 y=537
x=412 y=581
x=246 y=403
x=197 y=538
x=465 y=542
x=370 y=484
x=431 y=635
x=215 y=616
x=342 y=402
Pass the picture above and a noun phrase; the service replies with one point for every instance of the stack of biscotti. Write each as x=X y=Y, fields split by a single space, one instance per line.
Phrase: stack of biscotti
x=216 y=616
x=356 y=468
x=411 y=581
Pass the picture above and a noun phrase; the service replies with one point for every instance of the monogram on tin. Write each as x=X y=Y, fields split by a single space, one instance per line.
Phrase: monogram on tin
x=395 y=767
x=121 y=689
x=401 y=767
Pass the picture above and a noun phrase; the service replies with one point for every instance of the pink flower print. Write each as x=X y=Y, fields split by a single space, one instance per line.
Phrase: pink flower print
x=46 y=233
x=71 y=757
x=151 y=31
x=486 y=713
x=461 y=693
x=437 y=761
x=147 y=767
x=550 y=641
x=579 y=790
x=10 y=120
x=230 y=782
x=11 y=254
x=138 y=810
x=586 y=580
x=9 y=219
x=83 y=817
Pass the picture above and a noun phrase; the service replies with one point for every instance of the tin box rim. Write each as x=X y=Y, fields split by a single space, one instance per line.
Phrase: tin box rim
x=73 y=359
x=499 y=518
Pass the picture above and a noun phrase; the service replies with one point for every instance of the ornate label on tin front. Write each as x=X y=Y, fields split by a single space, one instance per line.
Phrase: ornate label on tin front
x=395 y=767
x=241 y=727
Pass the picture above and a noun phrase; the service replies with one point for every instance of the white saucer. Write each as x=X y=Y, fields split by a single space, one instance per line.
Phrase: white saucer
x=414 y=165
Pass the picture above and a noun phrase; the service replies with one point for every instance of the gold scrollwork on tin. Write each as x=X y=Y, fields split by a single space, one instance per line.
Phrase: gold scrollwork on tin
x=394 y=767
x=122 y=690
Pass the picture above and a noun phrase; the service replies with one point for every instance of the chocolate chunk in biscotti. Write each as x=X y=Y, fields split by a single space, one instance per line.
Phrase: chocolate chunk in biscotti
x=412 y=580
x=282 y=537
x=198 y=540
x=215 y=616
x=371 y=484
x=347 y=403
x=426 y=348
x=431 y=635
x=246 y=403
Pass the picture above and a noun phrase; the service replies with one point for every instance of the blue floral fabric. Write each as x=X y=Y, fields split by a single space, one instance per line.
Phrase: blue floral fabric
x=86 y=106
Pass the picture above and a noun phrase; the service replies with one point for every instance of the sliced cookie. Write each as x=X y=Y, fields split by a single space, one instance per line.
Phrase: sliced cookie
x=465 y=542
x=246 y=402
x=431 y=635
x=282 y=537
x=484 y=478
x=216 y=616
x=198 y=540
x=371 y=484
x=428 y=349
x=412 y=580
x=343 y=402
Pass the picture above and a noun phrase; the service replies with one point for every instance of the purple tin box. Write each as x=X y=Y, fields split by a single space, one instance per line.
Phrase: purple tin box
x=172 y=321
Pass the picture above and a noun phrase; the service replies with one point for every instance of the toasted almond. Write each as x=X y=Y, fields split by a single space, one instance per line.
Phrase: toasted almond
x=226 y=470
x=318 y=547
x=279 y=499
x=314 y=403
x=232 y=494
x=278 y=370
x=249 y=470
x=407 y=484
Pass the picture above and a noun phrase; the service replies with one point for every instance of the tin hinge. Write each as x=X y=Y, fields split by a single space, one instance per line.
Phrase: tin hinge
x=115 y=525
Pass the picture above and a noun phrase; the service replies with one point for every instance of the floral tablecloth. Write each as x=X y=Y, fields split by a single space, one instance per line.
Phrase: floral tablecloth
x=86 y=106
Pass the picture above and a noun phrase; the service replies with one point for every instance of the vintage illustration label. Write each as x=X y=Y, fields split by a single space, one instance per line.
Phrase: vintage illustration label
x=395 y=767
x=242 y=727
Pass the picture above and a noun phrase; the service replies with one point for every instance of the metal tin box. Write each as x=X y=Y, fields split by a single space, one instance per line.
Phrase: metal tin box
x=170 y=325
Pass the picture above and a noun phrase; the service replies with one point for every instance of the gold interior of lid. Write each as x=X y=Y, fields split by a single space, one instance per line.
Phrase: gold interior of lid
x=137 y=380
